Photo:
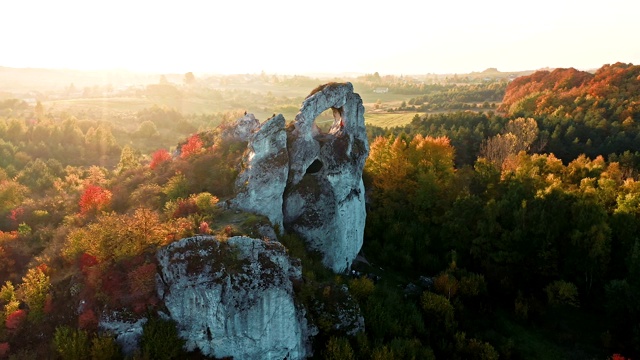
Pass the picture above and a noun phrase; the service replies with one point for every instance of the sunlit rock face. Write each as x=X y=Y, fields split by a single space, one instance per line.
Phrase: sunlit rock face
x=234 y=298
x=323 y=200
x=265 y=169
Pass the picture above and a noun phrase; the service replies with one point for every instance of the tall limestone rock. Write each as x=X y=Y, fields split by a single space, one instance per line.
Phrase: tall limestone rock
x=324 y=200
x=323 y=193
x=234 y=298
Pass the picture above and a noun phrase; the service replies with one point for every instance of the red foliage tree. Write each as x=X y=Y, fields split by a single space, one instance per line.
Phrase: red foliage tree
x=204 y=228
x=159 y=157
x=193 y=146
x=185 y=208
x=142 y=282
x=16 y=216
x=48 y=304
x=15 y=319
x=86 y=261
x=87 y=320
x=94 y=198
x=4 y=349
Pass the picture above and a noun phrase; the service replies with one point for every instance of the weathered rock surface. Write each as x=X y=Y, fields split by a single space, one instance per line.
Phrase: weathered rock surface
x=323 y=200
x=266 y=166
x=244 y=127
x=234 y=298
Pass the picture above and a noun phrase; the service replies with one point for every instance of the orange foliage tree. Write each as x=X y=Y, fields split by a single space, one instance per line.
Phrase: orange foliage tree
x=193 y=146
x=159 y=157
x=94 y=199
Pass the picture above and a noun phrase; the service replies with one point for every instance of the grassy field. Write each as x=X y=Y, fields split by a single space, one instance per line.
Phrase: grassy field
x=388 y=119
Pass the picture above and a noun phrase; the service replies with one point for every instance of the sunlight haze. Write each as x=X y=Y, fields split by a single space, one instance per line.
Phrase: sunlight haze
x=283 y=36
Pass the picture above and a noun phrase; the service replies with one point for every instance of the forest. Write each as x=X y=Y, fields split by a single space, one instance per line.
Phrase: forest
x=502 y=219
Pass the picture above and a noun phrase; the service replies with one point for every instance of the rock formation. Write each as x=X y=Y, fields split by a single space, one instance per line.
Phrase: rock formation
x=266 y=165
x=323 y=200
x=234 y=298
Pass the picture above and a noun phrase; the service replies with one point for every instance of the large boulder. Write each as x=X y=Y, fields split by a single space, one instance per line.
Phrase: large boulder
x=234 y=298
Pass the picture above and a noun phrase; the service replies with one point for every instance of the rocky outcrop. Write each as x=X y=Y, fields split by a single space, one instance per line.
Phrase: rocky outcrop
x=243 y=128
x=234 y=298
x=265 y=169
x=323 y=200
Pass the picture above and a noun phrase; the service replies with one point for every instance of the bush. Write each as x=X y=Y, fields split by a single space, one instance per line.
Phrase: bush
x=361 y=288
x=15 y=320
x=439 y=310
x=160 y=340
x=71 y=344
x=104 y=347
x=338 y=348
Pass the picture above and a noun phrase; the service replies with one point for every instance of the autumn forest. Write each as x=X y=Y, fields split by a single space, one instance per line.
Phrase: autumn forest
x=503 y=212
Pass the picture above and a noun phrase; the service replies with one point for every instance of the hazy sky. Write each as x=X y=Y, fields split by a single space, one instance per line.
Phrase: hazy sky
x=332 y=36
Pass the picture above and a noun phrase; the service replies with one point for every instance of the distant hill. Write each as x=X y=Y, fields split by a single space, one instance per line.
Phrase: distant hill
x=544 y=92
x=34 y=79
x=581 y=112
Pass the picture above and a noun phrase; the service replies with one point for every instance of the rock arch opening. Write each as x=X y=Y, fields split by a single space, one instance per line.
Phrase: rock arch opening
x=315 y=167
x=338 y=117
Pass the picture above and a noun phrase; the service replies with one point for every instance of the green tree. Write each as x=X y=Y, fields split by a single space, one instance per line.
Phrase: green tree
x=71 y=344
x=160 y=340
x=189 y=78
x=128 y=160
x=338 y=348
x=34 y=288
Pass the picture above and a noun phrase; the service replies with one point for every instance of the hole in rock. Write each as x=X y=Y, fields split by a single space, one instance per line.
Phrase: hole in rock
x=315 y=166
x=337 y=115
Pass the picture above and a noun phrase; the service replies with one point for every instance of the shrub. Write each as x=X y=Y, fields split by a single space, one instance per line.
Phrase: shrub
x=438 y=309
x=447 y=285
x=361 y=288
x=177 y=187
x=15 y=320
x=562 y=293
x=338 y=348
x=71 y=344
x=4 y=349
x=160 y=339
x=87 y=320
x=105 y=347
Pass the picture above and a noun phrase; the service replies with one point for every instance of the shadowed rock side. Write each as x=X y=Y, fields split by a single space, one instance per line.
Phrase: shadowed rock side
x=323 y=200
x=262 y=182
x=234 y=298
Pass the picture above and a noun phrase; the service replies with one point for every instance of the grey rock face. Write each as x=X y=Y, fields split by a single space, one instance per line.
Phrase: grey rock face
x=266 y=166
x=323 y=200
x=234 y=298
x=244 y=127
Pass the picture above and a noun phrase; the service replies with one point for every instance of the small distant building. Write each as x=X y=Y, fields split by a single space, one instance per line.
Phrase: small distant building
x=381 y=90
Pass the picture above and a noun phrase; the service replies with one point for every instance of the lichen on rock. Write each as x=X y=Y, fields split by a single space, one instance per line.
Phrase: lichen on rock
x=234 y=298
